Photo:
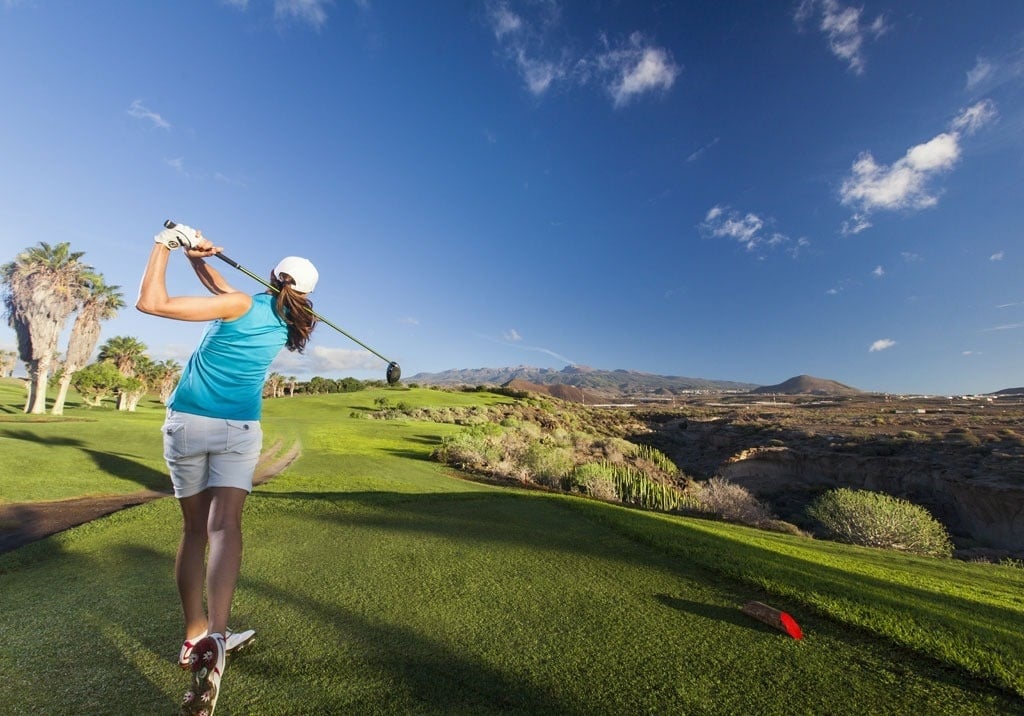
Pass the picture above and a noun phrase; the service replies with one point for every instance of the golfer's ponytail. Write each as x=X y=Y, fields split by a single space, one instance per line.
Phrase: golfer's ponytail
x=296 y=310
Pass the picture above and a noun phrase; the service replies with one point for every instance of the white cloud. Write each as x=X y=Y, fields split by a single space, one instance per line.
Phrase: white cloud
x=844 y=29
x=997 y=256
x=910 y=257
x=881 y=345
x=140 y=111
x=512 y=335
x=409 y=321
x=313 y=12
x=320 y=360
x=748 y=231
x=240 y=4
x=856 y=224
x=628 y=71
x=878 y=272
x=637 y=69
x=745 y=229
x=973 y=118
x=906 y=183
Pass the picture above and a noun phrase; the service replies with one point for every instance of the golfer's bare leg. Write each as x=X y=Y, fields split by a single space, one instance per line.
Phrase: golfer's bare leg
x=225 y=532
x=189 y=569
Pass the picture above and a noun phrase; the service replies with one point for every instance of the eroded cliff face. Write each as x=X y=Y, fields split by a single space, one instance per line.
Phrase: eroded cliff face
x=983 y=509
x=975 y=490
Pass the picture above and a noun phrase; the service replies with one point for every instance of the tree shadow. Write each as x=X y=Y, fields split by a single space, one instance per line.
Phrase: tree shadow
x=116 y=464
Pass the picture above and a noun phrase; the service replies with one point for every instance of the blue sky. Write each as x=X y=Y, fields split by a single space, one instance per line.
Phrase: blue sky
x=741 y=191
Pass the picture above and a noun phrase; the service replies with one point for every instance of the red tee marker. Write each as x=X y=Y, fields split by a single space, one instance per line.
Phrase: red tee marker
x=774 y=618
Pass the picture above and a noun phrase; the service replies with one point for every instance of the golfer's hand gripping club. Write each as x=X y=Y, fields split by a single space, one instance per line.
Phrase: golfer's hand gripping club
x=175 y=235
x=394 y=372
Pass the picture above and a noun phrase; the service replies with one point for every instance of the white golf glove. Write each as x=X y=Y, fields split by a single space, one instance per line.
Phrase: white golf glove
x=180 y=235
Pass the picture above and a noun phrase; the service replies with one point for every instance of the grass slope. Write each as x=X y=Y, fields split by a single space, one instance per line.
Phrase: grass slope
x=380 y=584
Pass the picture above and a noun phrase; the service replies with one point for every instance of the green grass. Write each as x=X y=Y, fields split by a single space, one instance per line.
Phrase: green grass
x=382 y=584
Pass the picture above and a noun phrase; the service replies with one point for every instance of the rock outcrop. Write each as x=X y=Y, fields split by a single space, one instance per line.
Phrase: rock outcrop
x=985 y=509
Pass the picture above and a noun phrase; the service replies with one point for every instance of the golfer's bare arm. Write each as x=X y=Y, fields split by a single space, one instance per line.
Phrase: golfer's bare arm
x=226 y=303
x=210 y=277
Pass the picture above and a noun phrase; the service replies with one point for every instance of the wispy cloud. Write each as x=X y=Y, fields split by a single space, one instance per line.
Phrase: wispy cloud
x=989 y=73
x=513 y=339
x=138 y=110
x=906 y=183
x=844 y=28
x=748 y=230
x=177 y=164
x=311 y=12
x=409 y=321
x=626 y=69
x=997 y=256
x=881 y=345
x=1003 y=327
x=878 y=272
x=977 y=76
x=700 y=152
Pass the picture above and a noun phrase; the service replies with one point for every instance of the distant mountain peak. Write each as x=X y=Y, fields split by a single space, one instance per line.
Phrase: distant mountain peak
x=808 y=385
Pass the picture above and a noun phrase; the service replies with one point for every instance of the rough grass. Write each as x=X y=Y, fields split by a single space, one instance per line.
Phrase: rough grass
x=379 y=583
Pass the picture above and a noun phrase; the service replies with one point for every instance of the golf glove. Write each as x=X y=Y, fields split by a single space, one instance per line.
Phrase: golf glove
x=180 y=235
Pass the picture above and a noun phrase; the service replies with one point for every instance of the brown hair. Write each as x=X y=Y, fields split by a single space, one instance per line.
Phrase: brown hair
x=296 y=309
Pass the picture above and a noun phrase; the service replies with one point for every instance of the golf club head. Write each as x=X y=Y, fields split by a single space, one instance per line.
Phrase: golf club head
x=394 y=373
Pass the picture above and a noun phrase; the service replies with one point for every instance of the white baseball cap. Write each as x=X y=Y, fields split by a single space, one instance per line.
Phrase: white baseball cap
x=302 y=271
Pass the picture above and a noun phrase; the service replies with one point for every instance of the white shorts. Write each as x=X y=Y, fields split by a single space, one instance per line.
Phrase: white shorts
x=206 y=452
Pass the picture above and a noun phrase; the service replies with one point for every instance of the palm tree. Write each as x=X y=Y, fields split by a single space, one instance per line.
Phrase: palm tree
x=41 y=289
x=291 y=385
x=8 y=359
x=147 y=375
x=124 y=352
x=168 y=372
x=273 y=385
x=100 y=303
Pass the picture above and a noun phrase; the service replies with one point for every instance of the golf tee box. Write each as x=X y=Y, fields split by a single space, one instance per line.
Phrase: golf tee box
x=773 y=618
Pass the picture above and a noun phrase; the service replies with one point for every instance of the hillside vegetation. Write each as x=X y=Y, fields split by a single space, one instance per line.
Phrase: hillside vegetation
x=384 y=582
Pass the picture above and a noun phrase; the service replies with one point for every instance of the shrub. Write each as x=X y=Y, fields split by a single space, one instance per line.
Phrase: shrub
x=874 y=519
x=469 y=449
x=546 y=464
x=732 y=502
x=594 y=479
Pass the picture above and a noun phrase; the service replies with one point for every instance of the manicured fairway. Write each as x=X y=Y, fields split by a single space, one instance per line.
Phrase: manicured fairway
x=381 y=584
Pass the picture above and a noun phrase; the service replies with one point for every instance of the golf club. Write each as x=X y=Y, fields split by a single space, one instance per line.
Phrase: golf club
x=394 y=372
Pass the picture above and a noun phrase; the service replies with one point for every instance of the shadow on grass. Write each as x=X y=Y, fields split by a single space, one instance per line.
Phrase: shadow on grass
x=116 y=464
x=713 y=612
x=977 y=639
x=430 y=675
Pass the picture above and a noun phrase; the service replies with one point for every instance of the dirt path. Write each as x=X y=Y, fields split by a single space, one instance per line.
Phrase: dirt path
x=25 y=522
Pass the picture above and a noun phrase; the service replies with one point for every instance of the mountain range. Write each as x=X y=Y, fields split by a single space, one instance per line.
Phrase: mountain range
x=591 y=384
x=580 y=383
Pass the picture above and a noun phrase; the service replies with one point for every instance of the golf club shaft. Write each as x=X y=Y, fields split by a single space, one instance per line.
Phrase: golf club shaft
x=171 y=224
x=316 y=315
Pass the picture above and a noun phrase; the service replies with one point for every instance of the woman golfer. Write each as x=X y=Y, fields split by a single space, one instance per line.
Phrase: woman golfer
x=212 y=436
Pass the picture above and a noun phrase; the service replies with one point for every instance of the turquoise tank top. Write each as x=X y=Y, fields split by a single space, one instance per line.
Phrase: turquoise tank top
x=224 y=377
